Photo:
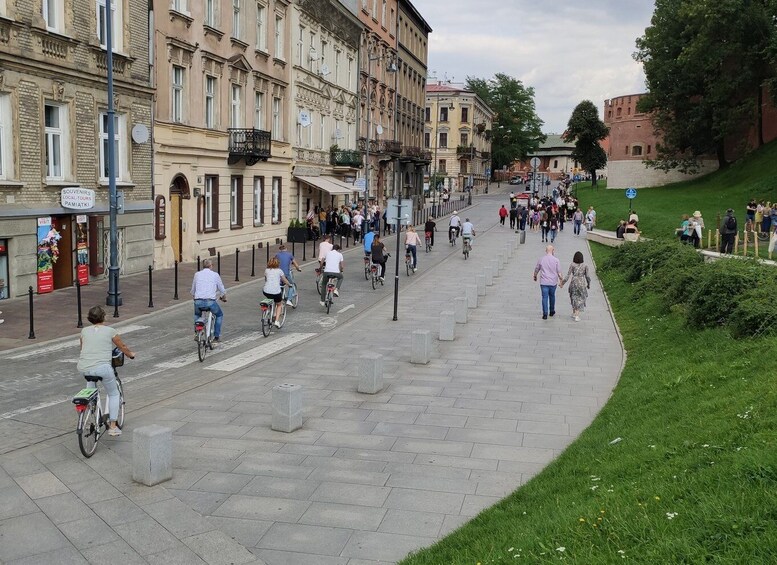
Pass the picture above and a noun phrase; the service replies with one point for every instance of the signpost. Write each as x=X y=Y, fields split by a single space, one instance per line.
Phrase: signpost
x=631 y=194
x=535 y=163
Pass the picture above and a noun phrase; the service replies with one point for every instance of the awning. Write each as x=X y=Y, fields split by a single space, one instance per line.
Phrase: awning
x=327 y=184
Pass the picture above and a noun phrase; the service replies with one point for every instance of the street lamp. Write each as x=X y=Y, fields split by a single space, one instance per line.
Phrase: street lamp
x=392 y=68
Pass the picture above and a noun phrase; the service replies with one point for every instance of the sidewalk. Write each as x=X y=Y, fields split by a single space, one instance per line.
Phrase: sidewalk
x=369 y=477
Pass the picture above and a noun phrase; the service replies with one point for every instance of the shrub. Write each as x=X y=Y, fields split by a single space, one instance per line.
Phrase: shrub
x=637 y=260
x=754 y=314
x=674 y=279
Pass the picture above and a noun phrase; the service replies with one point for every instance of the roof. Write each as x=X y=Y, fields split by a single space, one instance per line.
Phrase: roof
x=431 y=87
x=555 y=141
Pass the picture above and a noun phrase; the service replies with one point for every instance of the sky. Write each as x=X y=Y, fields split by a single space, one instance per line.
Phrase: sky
x=567 y=50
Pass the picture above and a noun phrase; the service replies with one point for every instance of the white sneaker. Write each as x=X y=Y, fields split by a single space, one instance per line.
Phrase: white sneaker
x=322 y=303
x=414 y=269
x=277 y=324
x=336 y=292
x=289 y=303
x=577 y=318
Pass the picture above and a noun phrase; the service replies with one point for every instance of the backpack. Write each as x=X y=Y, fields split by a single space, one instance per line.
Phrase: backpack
x=731 y=223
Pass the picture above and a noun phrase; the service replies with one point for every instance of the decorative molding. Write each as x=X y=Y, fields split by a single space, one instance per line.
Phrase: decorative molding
x=185 y=18
x=210 y=30
x=58 y=90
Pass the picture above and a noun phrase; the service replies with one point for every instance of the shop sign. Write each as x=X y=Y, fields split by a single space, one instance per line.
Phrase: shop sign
x=81 y=219
x=77 y=198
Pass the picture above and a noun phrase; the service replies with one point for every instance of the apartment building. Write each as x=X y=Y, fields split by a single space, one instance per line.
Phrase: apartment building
x=54 y=214
x=223 y=155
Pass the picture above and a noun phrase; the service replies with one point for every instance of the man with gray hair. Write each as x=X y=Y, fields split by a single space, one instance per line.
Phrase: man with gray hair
x=549 y=270
x=206 y=288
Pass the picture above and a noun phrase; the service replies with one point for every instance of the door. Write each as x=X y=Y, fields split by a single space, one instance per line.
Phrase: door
x=176 y=210
x=63 y=268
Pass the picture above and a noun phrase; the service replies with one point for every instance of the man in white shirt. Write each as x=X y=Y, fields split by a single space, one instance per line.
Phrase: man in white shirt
x=323 y=248
x=468 y=231
x=333 y=268
x=357 y=224
x=454 y=224
x=206 y=288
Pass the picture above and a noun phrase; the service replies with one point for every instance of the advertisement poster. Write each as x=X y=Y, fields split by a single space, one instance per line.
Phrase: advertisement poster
x=48 y=253
x=82 y=250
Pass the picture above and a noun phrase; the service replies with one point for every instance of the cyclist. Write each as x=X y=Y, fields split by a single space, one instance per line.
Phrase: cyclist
x=468 y=231
x=206 y=288
x=97 y=343
x=368 y=237
x=286 y=260
x=429 y=228
x=273 y=276
x=454 y=224
x=323 y=248
x=333 y=268
x=379 y=255
x=412 y=241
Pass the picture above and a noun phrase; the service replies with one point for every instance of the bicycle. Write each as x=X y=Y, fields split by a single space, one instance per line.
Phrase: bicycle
x=92 y=413
x=466 y=248
x=374 y=270
x=204 y=327
x=367 y=268
x=453 y=235
x=329 y=299
x=408 y=262
x=295 y=297
x=428 y=241
x=268 y=306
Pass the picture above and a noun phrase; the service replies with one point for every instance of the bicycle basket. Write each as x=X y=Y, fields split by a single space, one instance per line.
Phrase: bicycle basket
x=117 y=358
x=266 y=304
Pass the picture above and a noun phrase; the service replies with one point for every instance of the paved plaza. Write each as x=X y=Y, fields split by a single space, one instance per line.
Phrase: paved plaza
x=368 y=478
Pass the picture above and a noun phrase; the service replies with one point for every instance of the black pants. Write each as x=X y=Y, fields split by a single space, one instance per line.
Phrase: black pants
x=502 y=220
x=727 y=243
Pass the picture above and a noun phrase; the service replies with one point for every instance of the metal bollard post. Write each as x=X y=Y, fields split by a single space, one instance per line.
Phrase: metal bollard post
x=305 y=249
x=237 y=264
x=32 y=322
x=268 y=251
x=293 y=247
x=175 y=294
x=198 y=263
x=253 y=260
x=218 y=264
x=116 y=302
x=80 y=323
x=150 y=287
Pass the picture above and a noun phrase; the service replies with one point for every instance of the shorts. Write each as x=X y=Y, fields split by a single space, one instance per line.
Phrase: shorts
x=274 y=297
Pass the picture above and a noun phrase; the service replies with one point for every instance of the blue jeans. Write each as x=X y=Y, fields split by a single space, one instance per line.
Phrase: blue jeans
x=412 y=250
x=109 y=382
x=292 y=286
x=214 y=307
x=552 y=235
x=577 y=227
x=548 y=298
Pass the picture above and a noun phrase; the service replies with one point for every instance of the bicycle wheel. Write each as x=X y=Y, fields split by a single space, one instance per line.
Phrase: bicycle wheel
x=282 y=319
x=120 y=418
x=266 y=323
x=328 y=301
x=374 y=280
x=466 y=253
x=367 y=272
x=202 y=345
x=407 y=268
x=88 y=430
x=294 y=301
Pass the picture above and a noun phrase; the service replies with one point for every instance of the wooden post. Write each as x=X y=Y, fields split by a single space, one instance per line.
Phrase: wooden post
x=736 y=243
x=709 y=239
x=717 y=239
x=755 y=243
x=744 y=250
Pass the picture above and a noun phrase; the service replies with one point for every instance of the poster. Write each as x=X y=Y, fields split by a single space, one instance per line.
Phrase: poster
x=82 y=250
x=48 y=253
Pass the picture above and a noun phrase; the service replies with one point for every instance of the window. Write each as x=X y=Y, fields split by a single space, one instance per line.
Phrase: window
x=261 y=27
x=258 y=110
x=383 y=14
x=428 y=114
x=464 y=139
x=177 y=104
x=55 y=121
x=54 y=14
x=211 y=203
x=119 y=146
x=627 y=150
x=443 y=113
x=463 y=167
x=443 y=141
x=309 y=57
x=555 y=163
x=636 y=151
x=210 y=102
x=350 y=73
x=234 y=118
x=301 y=46
x=6 y=137
x=465 y=114
x=210 y=13
x=618 y=112
x=278 y=37
x=236 y=19
x=181 y=6
x=116 y=27
x=441 y=168
x=258 y=204
x=277 y=129
x=375 y=9
x=321 y=129
x=649 y=148
x=427 y=139
x=336 y=78
x=236 y=202
x=276 y=200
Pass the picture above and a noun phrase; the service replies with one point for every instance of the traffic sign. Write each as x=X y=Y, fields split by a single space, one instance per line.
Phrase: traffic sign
x=631 y=193
x=535 y=162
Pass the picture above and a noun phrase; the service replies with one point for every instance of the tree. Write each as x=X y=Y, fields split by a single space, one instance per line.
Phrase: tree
x=517 y=130
x=586 y=130
x=706 y=64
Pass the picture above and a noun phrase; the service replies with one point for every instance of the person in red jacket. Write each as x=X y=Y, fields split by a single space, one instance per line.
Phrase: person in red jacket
x=502 y=214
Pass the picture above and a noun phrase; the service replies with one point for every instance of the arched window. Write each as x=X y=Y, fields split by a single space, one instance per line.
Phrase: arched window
x=636 y=151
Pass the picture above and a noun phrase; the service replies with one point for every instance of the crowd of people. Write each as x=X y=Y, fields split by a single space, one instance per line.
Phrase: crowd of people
x=347 y=220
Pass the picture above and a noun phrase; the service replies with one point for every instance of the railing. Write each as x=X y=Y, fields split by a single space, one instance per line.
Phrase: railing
x=250 y=144
x=393 y=147
x=346 y=158
x=362 y=142
x=413 y=152
x=426 y=156
x=485 y=155
x=465 y=151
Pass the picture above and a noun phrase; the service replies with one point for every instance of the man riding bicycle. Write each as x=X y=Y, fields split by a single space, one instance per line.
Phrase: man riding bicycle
x=454 y=224
x=467 y=232
x=287 y=261
x=429 y=228
x=206 y=288
x=333 y=268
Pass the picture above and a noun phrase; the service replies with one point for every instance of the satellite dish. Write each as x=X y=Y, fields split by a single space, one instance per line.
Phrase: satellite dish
x=139 y=133
x=304 y=118
x=379 y=129
x=324 y=70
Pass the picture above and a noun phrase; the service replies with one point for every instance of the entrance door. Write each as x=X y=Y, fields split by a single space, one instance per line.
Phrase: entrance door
x=176 y=212
x=63 y=268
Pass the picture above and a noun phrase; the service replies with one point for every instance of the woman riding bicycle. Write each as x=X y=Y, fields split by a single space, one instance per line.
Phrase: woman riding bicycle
x=273 y=276
x=379 y=255
x=412 y=241
x=97 y=343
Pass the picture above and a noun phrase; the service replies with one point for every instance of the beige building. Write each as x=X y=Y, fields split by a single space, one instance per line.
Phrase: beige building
x=458 y=132
x=324 y=67
x=222 y=150
x=53 y=139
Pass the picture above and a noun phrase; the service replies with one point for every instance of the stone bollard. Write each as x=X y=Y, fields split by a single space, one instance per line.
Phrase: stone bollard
x=522 y=237
x=509 y=251
x=420 y=347
x=481 y=280
x=496 y=265
x=152 y=455
x=502 y=257
x=370 y=373
x=447 y=325
x=488 y=273
x=286 y=407
x=460 y=308
x=472 y=295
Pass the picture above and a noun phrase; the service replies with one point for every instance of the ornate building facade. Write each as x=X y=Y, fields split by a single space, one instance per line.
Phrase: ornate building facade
x=54 y=140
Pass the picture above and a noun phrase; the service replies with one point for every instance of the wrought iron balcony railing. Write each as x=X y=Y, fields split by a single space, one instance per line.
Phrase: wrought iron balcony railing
x=346 y=158
x=250 y=144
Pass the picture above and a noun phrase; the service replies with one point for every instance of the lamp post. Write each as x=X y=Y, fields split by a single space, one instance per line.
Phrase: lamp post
x=114 y=296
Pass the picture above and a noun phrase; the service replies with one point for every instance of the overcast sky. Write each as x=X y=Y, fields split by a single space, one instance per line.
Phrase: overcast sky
x=568 y=50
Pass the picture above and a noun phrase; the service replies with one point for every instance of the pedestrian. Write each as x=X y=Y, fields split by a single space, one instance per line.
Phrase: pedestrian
x=579 y=284
x=697 y=225
x=545 y=225
x=502 y=215
x=577 y=220
x=620 y=230
x=773 y=238
x=549 y=270
x=513 y=217
x=590 y=219
x=728 y=232
x=553 y=227
x=684 y=231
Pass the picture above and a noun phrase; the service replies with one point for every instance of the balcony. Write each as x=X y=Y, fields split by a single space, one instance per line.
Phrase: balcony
x=381 y=147
x=411 y=152
x=466 y=151
x=485 y=155
x=250 y=144
x=392 y=147
x=346 y=158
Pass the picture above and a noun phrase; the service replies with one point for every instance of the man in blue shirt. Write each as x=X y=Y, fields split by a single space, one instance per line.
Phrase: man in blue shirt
x=286 y=260
x=368 y=237
x=206 y=288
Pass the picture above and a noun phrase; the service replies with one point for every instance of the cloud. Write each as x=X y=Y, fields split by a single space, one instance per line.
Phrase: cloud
x=568 y=51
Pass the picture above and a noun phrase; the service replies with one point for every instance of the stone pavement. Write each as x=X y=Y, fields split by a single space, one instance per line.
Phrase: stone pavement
x=368 y=478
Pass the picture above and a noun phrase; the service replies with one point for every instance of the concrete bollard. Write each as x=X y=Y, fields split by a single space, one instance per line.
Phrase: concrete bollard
x=420 y=347
x=472 y=295
x=488 y=273
x=502 y=257
x=460 y=308
x=523 y=237
x=286 y=407
x=152 y=455
x=496 y=265
x=481 y=280
x=509 y=251
x=447 y=325
x=370 y=373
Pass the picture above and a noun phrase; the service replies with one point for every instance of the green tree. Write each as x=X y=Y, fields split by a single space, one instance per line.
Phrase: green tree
x=517 y=130
x=706 y=64
x=586 y=130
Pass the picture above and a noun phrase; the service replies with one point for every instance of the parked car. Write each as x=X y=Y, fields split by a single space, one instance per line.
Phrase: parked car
x=515 y=180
